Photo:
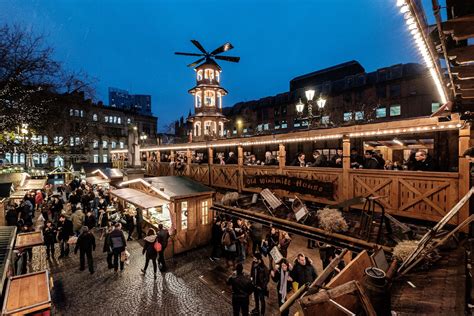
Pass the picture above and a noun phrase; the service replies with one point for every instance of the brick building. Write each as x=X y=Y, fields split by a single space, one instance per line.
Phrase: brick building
x=353 y=96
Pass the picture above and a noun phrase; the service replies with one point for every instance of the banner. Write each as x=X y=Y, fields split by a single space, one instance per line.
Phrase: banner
x=291 y=184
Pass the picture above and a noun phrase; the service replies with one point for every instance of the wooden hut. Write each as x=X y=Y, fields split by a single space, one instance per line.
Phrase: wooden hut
x=186 y=210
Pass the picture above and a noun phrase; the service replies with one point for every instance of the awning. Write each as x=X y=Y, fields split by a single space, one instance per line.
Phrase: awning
x=96 y=180
x=33 y=184
x=138 y=198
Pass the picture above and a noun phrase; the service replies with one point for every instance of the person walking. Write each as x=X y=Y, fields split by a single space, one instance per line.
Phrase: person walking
x=139 y=222
x=281 y=275
x=242 y=288
x=77 y=219
x=108 y=245
x=89 y=220
x=118 y=242
x=149 y=250
x=65 y=230
x=85 y=244
x=49 y=235
x=103 y=222
x=259 y=274
x=130 y=219
x=284 y=243
x=162 y=237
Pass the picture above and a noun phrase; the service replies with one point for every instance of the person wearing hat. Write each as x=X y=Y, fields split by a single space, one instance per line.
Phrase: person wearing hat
x=85 y=244
x=260 y=278
x=370 y=162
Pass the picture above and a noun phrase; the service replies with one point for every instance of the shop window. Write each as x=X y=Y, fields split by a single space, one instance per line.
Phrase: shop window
x=347 y=116
x=435 y=106
x=395 y=110
x=205 y=212
x=359 y=115
x=381 y=112
x=184 y=215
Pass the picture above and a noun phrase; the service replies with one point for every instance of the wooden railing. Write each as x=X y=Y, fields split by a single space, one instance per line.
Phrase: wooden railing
x=414 y=194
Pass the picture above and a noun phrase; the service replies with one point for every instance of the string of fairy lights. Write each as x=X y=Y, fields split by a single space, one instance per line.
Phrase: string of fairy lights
x=373 y=133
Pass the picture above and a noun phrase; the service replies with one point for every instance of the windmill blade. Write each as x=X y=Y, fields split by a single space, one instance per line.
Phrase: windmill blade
x=196 y=62
x=228 y=58
x=199 y=46
x=188 y=54
x=227 y=46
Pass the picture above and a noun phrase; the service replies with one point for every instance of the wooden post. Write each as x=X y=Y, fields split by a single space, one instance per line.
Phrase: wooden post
x=240 y=152
x=210 y=154
x=172 y=162
x=281 y=158
x=189 y=158
x=464 y=173
x=346 y=166
x=158 y=156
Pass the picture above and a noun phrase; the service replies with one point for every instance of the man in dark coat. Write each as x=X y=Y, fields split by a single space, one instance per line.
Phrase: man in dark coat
x=423 y=162
x=216 y=237
x=49 y=236
x=65 y=231
x=162 y=237
x=232 y=159
x=85 y=244
x=260 y=277
x=319 y=160
x=139 y=220
x=303 y=271
x=242 y=288
x=118 y=242
x=370 y=161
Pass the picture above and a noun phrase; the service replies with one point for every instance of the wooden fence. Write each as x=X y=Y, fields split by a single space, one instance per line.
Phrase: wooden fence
x=419 y=195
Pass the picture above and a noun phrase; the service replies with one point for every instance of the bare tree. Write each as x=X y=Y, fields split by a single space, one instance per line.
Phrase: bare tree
x=34 y=89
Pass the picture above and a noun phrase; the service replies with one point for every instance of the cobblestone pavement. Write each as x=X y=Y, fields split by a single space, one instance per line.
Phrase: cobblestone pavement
x=175 y=292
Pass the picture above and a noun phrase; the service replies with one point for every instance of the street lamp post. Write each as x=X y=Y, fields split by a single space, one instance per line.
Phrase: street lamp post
x=321 y=102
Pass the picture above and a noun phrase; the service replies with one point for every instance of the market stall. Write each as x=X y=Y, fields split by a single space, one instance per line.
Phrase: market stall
x=28 y=294
x=115 y=175
x=188 y=209
x=98 y=177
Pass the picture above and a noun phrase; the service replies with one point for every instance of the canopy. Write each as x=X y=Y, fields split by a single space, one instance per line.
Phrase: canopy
x=33 y=184
x=138 y=198
x=96 y=180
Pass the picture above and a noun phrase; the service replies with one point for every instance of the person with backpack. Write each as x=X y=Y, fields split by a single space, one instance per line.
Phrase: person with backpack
x=229 y=242
x=149 y=250
x=162 y=237
x=242 y=288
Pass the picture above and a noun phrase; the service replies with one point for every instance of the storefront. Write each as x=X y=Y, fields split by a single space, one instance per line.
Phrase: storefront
x=186 y=211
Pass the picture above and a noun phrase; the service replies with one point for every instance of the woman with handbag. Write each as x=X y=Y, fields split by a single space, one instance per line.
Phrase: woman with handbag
x=150 y=250
x=281 y=275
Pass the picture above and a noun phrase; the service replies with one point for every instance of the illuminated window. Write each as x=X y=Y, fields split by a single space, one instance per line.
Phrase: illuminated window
x=113 y=145
x=395 y=110
x=106 y=119
x=96 y=158
x=184 y=215
x=71 y=112
x=209 y=74
x=219 y=100
x=218 y=75
x=359 y=115
x=104 y=158
x=199 y=75
x=347 y=116
x=197 y=129
x=435 y=106
x=381 y=112
x=122 y=145
x=209 y=98
x=104 y=144
x=207 y=127
x=95 y=118
x=198 y=99
x=95 y=143
x=204 y=212
x=119 y=120
x=325 y=119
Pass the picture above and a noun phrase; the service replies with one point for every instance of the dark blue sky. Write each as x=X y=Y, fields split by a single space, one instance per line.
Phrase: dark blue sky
x=130 y=44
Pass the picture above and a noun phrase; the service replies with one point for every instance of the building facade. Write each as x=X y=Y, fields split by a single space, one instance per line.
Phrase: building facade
x=353 y=96
x=86 y=132
x=121 y=99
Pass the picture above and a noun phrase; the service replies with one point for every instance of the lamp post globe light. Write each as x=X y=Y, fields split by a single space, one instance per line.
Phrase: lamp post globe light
x=321 y=102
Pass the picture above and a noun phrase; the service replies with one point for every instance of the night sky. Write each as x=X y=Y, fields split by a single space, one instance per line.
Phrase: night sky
x=131 y=44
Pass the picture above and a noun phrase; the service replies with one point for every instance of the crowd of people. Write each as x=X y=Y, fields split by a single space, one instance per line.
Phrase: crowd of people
x=233 y=240
x=68 y=218
x=419 y=160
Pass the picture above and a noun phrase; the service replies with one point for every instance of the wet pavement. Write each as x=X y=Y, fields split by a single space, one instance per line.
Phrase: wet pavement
x=193 y=285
